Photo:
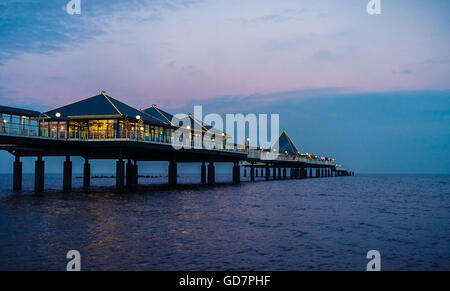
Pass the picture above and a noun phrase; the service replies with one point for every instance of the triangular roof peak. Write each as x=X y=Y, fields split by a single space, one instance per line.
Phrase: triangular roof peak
x=95 y=106
x=285 y=144
x=159 y=114
x=100 y=106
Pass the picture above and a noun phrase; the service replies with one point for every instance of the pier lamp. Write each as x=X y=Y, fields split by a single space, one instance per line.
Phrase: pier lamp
x=142 y=128
x=58 y=114
x=138 y=117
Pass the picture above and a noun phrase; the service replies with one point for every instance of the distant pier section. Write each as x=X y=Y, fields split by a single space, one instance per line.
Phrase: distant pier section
x=102 y=127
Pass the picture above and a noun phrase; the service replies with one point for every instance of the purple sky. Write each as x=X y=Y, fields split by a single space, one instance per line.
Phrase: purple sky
x=372 y=91
x=196 y=51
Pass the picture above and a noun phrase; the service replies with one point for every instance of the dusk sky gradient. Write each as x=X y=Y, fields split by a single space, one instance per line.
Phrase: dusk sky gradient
x=371 y=90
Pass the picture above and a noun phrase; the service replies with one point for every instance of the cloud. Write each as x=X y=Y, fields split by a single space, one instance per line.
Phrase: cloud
x=243 y=103
x=173 y=52
x=403 y=72
x=322 y=54
x=43 y=26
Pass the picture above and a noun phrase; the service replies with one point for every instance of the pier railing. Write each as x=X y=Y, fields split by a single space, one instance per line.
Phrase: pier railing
x=14 y=129
x=25 y=130
x=258 y=154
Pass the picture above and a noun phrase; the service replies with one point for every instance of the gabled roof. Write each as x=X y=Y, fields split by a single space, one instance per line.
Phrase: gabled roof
x=167 y=117
x=19 y=111
x=159 y=114
x=194 y=121
x=285 y=144
x=101 y=106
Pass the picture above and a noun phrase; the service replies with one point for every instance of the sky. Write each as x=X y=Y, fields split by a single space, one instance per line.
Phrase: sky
x=372 y=91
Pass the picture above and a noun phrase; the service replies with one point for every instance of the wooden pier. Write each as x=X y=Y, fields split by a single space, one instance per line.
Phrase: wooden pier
x=101 y=127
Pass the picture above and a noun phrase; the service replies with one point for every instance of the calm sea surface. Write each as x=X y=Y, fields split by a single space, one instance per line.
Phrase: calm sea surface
x=313 y=224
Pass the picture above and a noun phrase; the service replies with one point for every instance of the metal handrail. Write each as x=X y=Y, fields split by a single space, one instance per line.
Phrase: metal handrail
x=141 y=136
x=130 y=135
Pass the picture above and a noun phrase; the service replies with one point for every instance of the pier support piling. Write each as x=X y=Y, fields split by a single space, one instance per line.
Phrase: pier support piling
x=211 y=174
x=203 y=173
x=236 y=173
x=284 y=173
x=252 y=173
x=67 y=175
x=120 y=175
x=173 y=169
x=135 y=174
x=39 y=172
x=267 y=173
x=129 y=175
x=317 y=173
x=17 y=174
x=86 y=174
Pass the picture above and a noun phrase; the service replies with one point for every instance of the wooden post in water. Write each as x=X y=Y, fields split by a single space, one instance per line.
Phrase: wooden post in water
x=236 y=173
x=120 y=175
x=39 y=172
x=135 y=174
x=17 y=174
x=211 y=174
x=67 y=175
x=86 y=174
x=172 y=177
x=203 y=173
x=252 y=173
x=129 y=175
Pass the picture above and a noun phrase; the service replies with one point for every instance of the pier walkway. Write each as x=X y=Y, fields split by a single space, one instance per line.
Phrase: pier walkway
x=145 y=137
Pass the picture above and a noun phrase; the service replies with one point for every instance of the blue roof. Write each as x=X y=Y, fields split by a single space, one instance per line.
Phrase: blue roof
x=285 y=144
x=159 y=114
x=167 y=117
x=101 y=106
x=19 y=111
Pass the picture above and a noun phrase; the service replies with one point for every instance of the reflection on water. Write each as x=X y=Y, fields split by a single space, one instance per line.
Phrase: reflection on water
x=327 y=223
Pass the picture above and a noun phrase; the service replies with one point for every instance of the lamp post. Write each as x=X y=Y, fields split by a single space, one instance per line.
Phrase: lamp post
x=4 y=122
x=58 y=115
